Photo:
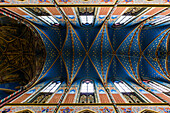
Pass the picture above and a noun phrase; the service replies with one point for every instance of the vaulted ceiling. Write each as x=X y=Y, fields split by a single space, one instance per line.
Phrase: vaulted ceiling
x=22 y=55
x=121 y=43
x=107 y=53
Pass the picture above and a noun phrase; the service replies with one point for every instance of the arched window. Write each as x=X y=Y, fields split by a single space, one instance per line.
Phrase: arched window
x=87 y=92
x=128 y=92
x=160 y=20
x=43 y=15
x=45 y=93
x=86 y=15
x=87 y=86
x=129 y=15
x=159 y=87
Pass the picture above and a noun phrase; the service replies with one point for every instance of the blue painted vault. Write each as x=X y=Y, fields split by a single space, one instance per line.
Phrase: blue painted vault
x=101 y=52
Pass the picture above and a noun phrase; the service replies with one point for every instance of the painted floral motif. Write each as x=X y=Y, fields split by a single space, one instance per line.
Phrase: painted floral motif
x=66 y=110
x=106 y=110
x=137 y=109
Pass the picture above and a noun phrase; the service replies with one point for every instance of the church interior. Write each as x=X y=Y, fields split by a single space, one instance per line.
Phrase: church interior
x=84 y=56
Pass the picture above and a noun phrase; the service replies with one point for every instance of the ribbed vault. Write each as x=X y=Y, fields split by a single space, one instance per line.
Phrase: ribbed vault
x=100 y=52
x=131 y=55
x=22 y=55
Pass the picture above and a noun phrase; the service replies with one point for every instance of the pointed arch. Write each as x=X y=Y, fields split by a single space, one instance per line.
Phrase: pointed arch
x=45 y=93
x=87 y=92
x=148 y=111
x=25 y=111
x=86 y=111
x=130 y=94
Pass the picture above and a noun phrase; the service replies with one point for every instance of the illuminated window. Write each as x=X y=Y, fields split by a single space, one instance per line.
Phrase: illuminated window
x=161 y=20
x=128 y=16
x=86 y=15
x=87 y=87
x=128 y=92
x=123 y=88
x=86 y=20
x=159 y=87
x=43 y=15
x=87 y=92
x=51 y=87
x=45 y=93
x=49 y=19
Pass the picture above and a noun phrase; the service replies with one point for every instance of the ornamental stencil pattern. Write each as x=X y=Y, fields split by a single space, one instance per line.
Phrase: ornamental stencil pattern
x=97 y=109
x=137 y=109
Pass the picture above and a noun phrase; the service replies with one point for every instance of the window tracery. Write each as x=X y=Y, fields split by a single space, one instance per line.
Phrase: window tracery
x=86 y=15
x=45 y=93
x=129 y=15
x=42 y=15
x=128 y=92
x=159 y=87
x=87 y=92
x=160 y=20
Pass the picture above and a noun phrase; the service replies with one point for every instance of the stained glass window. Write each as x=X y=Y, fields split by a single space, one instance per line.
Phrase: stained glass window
x=45 y=93
x=87 y=92
x=128 y=92
x=159 y=87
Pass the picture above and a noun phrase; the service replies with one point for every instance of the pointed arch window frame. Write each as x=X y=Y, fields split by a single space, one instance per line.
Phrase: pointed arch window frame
x=85 y=18
x=159 y=87
x=87 y=87
x=48 y=90
x=126 y=90
x=86 y=93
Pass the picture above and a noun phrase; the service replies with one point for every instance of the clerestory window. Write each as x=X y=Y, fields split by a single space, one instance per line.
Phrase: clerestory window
x=159 y=87
x=128 y=92
x=87 y=92
x=45 y=93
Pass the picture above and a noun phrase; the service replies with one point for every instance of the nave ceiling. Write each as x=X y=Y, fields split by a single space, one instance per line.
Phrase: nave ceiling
x=135 y=51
